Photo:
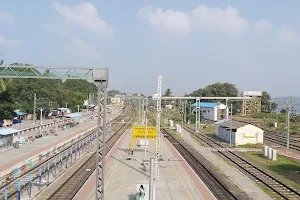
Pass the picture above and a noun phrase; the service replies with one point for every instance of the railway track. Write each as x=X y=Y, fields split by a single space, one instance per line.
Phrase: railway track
x=75 y=182
x=11 y=184
x=211 y=181
x=274 y=137
x=285 y=191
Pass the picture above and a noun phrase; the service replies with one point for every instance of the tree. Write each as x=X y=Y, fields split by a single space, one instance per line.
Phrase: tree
x=283 y=110
x=112 y=93
x=218 y=90
x=6 y=103
x=168 y=93
x=2 y=82
x=265 y=104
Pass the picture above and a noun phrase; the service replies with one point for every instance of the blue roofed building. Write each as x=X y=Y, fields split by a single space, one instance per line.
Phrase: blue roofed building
x=21 y=114
x=76 y=118
x=212 y=111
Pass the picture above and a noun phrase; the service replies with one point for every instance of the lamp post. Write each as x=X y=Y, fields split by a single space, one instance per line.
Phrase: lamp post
x=41 y=121
x=230 y=124
x=139 y=108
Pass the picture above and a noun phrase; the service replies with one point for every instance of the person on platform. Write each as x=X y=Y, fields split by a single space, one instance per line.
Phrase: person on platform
x=142 y=192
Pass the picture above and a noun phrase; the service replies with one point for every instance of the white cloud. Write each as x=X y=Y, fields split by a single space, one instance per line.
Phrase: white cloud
x=6 y=18
x=10 y=43
x=84 y=48
x=84 y=15
x=169 y=20
x=217 y=19
x=287 y=35
x=60 y=28
x=203 y=18
x=263 y=25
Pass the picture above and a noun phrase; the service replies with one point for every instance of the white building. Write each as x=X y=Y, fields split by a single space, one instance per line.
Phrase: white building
x=116 y=101
x=212 y=111
x=241 y=133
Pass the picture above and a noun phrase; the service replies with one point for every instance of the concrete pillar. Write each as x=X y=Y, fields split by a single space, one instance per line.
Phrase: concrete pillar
x=270 y=153
x=266 y=151
x=274 y=154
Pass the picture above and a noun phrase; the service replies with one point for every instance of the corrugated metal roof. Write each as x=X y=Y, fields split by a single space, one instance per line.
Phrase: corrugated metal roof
x=8 y=131
x=74 y=115
x=222 y=121
x=21 y=113
x=206 y=104
x=63 y=109
x=235 y=124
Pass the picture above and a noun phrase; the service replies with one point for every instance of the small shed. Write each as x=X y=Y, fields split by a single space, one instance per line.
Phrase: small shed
x=21 y=115
x=241 y=133
x=75 y=117
x=62 y=111
x=212 y=111
x=6 y=136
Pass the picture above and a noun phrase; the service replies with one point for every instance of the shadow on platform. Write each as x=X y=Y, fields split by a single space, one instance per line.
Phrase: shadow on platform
x=136 y=150
x=131 y=197
x=140 y=170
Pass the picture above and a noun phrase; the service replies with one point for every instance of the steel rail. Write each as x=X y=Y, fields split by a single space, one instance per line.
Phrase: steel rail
x=13 y=191
x=270 y=181
x=213 y=183
x=73 y=184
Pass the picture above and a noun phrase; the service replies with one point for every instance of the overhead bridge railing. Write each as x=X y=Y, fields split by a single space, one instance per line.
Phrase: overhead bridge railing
x=17 y=71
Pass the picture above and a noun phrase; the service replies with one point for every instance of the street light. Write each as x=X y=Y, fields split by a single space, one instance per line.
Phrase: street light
x=41 y=121
x=230 y=124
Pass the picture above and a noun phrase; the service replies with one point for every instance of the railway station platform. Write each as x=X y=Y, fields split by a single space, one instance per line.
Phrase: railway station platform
x=177 y=180
x=15 y=156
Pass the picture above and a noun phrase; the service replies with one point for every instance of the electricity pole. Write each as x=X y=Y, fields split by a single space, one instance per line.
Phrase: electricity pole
x=101 y=81
x=230 y=125
x=41 y=121
x=139 y=108
x=34 y=108
x=158 y=136
x=184 y=116
x=288 y=114
x=198 y=115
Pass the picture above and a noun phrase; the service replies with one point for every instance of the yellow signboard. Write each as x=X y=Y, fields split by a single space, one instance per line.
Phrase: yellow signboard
x=138 y=132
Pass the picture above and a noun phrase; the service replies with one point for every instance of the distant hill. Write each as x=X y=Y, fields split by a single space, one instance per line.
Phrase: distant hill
x=287 y=98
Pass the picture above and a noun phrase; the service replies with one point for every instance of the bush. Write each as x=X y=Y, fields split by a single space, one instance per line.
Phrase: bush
x=279 y=118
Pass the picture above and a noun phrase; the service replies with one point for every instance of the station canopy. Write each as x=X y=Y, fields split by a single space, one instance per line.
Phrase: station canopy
x=63 y=109
x=8 y=131
x=74 y=115
x=21 y=113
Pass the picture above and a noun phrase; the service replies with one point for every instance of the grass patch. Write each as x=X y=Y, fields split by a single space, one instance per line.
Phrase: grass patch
x=269 y=191
x=208 y=129
x=286 y=169
x=257 y=146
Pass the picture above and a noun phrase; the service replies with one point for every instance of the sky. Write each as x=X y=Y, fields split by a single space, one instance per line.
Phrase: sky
x=191 y=43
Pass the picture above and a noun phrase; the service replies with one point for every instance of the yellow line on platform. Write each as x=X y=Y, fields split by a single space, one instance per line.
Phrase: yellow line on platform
x=178 y=174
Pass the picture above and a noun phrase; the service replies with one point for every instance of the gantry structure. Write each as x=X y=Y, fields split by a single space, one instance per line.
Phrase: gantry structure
x=99 y=76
